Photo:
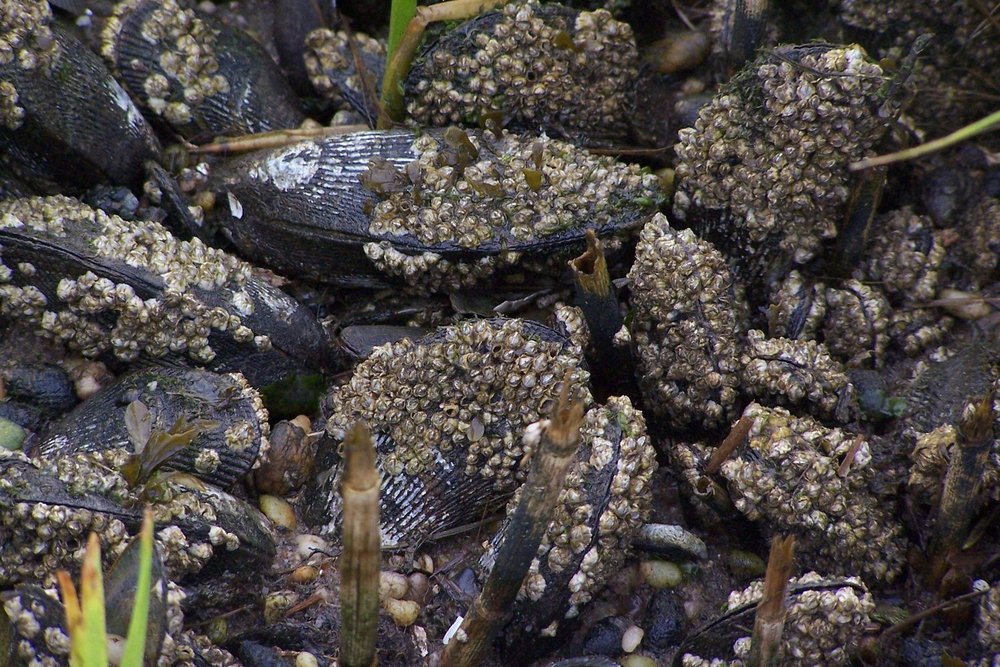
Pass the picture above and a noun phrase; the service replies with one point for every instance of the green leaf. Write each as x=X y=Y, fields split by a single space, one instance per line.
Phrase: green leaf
x=135 y=643
x=90 y=645
x=400 y=15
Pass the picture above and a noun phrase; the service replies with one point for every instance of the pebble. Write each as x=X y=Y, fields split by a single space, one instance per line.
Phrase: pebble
x=304 y=574
x=403 y=612
x=11 y=435
x=632 y=638
x=307 y=546
x=661 y=573
x=664 y=620
x=605 y=637
x=392 y=585
x=279 y=511
x=638 y=661
x=306 y=659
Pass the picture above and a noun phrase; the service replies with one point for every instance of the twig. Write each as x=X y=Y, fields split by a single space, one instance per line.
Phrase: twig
x=769 y=621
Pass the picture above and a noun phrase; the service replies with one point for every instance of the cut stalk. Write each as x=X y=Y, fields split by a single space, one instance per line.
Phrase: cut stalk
x=531 y=518
x=965 y=470
x=769 y=621
x=361 y=557
x=597 y=298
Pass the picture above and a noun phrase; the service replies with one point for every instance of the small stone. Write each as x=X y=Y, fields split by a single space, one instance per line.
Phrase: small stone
x=661 y=573
x=304 y=574
x=605 y=637
x=404 y=613
x=279 y=511
x=664 y=620
x=392 y=586
x=11 y=435
x=637 y=661
x=306 y=659
x=307 y=546
x=632 y=638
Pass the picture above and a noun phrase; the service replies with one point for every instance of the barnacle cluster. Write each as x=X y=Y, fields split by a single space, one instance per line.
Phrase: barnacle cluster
x=988 y=618
x=765 y=163
x=177 y=319
x=330 y=64
x=604 y=500
x=471 y=389
x=27 y=43
x=980 y=239
x=801 y=477
x=480 y=192
x=541 y=66
x=824 y=620
x=188 y=70
x=686 y=326
x=796 y=372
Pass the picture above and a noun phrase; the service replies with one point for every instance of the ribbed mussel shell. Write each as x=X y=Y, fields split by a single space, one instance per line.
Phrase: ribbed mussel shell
x=202 y=77
x=442 y=209
x=63 y=117
x=108 y=287
x=219 y=454
x=449 y=411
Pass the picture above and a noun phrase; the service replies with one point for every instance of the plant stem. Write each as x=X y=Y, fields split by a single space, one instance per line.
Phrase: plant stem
x=531 y=518
x=361 y=557
x=769 y=621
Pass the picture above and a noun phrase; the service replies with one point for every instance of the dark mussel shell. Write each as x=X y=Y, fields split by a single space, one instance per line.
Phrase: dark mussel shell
x=202 y=77
x=32 y=628
x=63 y=117
x=538 y=67
x=108 y=287
x=330 y=61
x=442 y=210
x=448 y=412
x=605 y=500
x=221 y=452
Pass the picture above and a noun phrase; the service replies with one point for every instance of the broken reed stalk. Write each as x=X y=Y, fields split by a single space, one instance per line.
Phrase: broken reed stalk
x=399 y=64
x=489 y=611
x=361 y=557
x=736 y=437
x=965 y=471
x=597 y=298
x=769 y=621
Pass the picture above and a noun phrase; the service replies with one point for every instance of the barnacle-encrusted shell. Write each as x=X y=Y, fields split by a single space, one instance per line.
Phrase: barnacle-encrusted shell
x=604 y=501
x=764 y=170
x=220 y=454
x=855 y=328
x=541 y=66
x=438 y=211
x=988 y=619
x=824 y=619
x=795 y=372
x=798 y=306
x=686 y=321
x=27 y=43
x=32 y=627
x=103 y=285
x=793 y=476
x=329 y=61
x=450 y=409
x=199 y=75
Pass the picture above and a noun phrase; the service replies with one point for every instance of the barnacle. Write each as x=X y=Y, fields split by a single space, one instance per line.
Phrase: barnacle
x=541 y=66
x=26 y=42
x=801 y=477
x=329 y=61
x=763 y=171
x=855 y=328
x=687 y=313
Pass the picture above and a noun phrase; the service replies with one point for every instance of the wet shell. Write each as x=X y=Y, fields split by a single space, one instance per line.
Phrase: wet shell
x=605 y=500
x=63 y=117
x=220 y=455
x=449 y=411
x=118 y=289
x=441 y=210
x=32 y=628
x=202 y=77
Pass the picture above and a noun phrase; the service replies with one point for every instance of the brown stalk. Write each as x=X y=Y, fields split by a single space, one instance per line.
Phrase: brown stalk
x=399 y=66
x=596 y=297
x=360 y=559
x=737 y=436
x=965 y=470
x=769 y=621
x=275 y=139
x=491 y=609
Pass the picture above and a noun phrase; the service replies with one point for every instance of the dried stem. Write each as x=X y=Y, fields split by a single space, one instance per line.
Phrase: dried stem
x=737 y=435
x=531 y=518
x=965 y=470
x=275 y=139
x=360 y=558
x=597 y=298
x=399 y=66
x=769 y=621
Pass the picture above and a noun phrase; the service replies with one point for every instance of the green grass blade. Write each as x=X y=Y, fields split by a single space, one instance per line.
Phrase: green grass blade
x=94 y=648
x=402 y=12
x=135 y=643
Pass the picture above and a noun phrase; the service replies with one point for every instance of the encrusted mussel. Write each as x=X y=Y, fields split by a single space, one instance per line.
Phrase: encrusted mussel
x=605 y=500
x=104 y=286
x=64 y=120
x=825 y=619
x=49 y=505
x=448 y=411
x=226 y=415
x=443 y=209
x=539 y=67
x=200 y=76
x=763 y=172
